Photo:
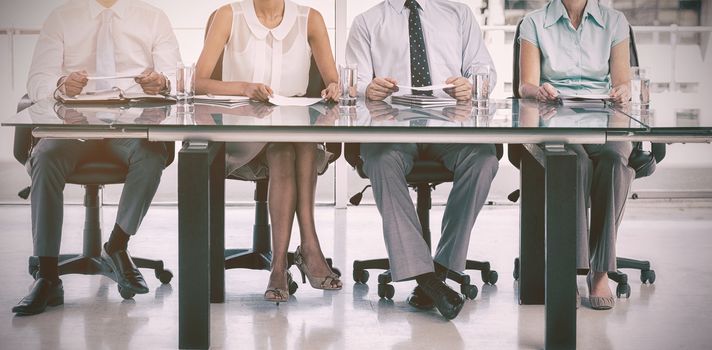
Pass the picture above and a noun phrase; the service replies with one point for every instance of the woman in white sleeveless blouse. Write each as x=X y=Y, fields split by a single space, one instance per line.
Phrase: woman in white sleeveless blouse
x=267 y=46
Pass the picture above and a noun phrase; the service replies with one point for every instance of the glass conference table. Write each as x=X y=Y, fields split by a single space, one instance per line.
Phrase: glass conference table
x=547 y=248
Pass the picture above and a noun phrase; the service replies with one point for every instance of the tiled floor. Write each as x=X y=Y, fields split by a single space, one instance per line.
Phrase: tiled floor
x=675 y=312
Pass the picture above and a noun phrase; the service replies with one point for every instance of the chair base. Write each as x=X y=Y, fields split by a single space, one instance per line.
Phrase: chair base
x=386 y=290
x=647 y=275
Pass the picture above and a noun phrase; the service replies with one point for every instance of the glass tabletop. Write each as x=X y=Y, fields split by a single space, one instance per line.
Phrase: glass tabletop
x=502 y=114
x=674 y=111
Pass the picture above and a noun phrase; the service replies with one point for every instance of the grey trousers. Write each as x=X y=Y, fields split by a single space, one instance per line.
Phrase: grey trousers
x=474 y=168
x=52 y=161
x=604 y=187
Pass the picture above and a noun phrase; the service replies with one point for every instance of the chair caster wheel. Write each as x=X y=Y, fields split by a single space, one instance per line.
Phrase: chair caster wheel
x=515 y=272
x=386 y=291
x=360 y=276
x=165 y=276
x=623 y=289
x=647 y=276
x=293 y=286
x=126 y=293
x=469 y=290
x=490 y=277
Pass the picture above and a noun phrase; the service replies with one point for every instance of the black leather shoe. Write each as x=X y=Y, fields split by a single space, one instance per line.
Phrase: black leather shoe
x=419 y=300
x=127 y=274
x=446 y=300
x=43 y=293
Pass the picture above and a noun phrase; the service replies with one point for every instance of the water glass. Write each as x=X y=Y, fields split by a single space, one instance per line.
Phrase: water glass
x=480 y=76
x=349 y=84
x=185 y=83
x=639 y=87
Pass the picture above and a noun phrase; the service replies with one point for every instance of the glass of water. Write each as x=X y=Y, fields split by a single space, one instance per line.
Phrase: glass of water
x=480 y=76
x=185 y=83
x=639 y=87
x=349 y=84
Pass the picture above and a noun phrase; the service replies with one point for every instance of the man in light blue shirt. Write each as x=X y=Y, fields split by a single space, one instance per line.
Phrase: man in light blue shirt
x=423 y=43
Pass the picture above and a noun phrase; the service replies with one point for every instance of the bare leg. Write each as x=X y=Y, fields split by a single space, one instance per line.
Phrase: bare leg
x=306 y=175
x=282 y=202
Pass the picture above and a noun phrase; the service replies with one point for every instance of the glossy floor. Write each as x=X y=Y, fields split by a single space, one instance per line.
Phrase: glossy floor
x=675 y=312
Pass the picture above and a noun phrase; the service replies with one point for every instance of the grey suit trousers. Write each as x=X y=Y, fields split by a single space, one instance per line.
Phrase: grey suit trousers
x=52 y=161
x=604 y=187
x=474 y=168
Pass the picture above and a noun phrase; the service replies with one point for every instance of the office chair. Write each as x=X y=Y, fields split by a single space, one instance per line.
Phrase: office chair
x=644 y=162
x=259 y=256
x=426 y=174
x=93 y=175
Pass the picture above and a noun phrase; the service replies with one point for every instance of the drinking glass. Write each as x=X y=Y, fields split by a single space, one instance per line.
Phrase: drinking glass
x=185 y=83
x=480 y=76
x=639 y=87
x=349 y=84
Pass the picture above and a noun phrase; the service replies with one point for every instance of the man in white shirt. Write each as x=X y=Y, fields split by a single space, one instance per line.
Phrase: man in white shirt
x=82 y=39
x=423 y=43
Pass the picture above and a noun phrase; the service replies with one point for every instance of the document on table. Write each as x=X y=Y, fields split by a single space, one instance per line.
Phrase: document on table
x=278 y=100
x=125 y=76
x=221 y=100
x=426 y=88
x=584 y=97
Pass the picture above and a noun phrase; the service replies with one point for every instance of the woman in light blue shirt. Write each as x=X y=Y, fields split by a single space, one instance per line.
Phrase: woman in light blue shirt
x=582 y=47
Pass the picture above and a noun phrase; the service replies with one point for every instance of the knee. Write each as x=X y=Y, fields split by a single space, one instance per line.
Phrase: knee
x=281 y=158
x=386 y=163
x=46 y=161
x=152 y=157
x=613 y=157
x=484 y=162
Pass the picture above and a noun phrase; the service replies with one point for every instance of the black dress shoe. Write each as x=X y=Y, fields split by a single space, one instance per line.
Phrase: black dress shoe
x=43 y=293
x=127 y=274
x=446 y=300
x=419 y=300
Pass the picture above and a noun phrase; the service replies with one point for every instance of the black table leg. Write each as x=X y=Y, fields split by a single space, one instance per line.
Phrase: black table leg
x=217 y=226
x=194 y=218
x=561 y=177
x=531 y=226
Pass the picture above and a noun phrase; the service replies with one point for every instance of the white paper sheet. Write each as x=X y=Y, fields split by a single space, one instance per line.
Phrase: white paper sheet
x=278 y=100
x=426 y=88
x=126 y=76
x=222 y=98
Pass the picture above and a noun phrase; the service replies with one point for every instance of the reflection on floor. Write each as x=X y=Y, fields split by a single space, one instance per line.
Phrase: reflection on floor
x=675 y=312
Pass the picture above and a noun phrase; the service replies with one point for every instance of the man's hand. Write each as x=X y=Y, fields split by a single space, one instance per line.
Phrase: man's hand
x=380 y=88
x=258 y=92
x=547 y=93
x=151 y=81
x=74 y=83
x=381 y=111
x=462 y=91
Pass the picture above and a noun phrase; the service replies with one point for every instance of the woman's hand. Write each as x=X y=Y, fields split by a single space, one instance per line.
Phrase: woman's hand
x=620 y=94
x=258 y=92
x=332 y=92
x=547 y=93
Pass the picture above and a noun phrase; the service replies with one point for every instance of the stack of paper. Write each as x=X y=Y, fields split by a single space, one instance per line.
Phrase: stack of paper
x=221 y=100
x=114 y=96
x=584 y=100
x=423 y=101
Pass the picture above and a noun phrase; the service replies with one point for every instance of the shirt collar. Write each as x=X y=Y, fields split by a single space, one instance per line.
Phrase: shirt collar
x=260 y=31
x=399 y=5
x=119 y=8
x=556 y=10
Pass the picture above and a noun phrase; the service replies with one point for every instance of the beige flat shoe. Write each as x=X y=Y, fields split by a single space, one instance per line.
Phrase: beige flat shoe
x=599 y=303
x=328 y=282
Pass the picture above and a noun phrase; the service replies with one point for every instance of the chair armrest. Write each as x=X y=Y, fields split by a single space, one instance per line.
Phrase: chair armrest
x=23 y=134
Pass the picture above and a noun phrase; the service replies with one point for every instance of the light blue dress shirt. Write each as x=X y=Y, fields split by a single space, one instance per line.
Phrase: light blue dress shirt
x=379 y=42
x=575 y=61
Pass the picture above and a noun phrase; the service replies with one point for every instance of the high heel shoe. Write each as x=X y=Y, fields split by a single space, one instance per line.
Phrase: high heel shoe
x=329 y=282
x=279 y=295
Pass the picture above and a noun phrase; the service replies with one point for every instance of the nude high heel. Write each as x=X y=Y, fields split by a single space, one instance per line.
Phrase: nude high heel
x=279 y=295
x=329 y=282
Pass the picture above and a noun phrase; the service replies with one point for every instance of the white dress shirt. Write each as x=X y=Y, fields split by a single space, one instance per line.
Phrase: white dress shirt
x=143 y=38
x=379 y=42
